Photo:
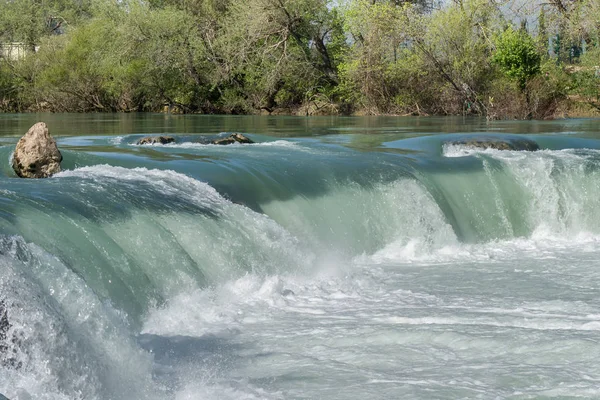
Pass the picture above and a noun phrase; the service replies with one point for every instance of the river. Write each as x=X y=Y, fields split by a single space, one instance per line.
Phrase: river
x=335 y=258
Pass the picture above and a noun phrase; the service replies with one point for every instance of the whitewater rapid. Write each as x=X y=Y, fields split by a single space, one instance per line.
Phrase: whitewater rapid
x=300 y=270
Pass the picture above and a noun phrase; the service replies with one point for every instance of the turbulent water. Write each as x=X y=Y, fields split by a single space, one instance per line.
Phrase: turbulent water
x=332 y=259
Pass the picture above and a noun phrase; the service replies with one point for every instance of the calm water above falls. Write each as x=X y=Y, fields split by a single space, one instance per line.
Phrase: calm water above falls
x=335 y=258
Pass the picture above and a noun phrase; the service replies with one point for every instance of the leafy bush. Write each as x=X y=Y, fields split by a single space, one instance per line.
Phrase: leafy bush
x=517 y=56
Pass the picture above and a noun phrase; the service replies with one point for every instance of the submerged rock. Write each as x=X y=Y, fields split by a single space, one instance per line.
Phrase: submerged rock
x=156 y=140
x=499 y=144
x=36 y=154
x=233 y=138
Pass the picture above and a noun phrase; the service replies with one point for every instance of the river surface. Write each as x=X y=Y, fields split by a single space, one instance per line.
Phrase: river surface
x=335 y=258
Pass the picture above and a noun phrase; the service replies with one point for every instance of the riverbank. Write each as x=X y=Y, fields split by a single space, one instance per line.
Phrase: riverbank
x=562 y=107
x=573 y=107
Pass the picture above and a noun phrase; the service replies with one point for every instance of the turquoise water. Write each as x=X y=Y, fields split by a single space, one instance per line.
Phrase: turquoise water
x=335 y=258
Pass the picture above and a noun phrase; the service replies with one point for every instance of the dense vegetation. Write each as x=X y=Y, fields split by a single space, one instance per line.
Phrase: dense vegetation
x=300 y=56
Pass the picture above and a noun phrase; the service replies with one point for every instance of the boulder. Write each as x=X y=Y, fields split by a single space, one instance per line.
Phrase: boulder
x=499 y=144
x=233 y=138
x=36 y=154
x=156 y=140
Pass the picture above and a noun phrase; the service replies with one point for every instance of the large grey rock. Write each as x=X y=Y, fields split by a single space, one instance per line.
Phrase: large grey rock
x=233 y=138
x=36 y=154
x=156 y=140
x=499 y=144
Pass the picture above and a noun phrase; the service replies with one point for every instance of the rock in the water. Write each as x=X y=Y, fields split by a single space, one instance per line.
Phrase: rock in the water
x=498 y=144
x=233 y=138
x=36 y=154
x=156 y=140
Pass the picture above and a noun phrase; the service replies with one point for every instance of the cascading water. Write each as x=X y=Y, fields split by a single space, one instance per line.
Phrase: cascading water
x=301 y=268
x=552 y=192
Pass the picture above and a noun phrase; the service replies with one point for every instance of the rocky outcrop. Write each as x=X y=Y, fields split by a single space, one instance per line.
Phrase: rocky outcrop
x=499 y=144
x=36 y=154
x=233 y=138
x=156 y=140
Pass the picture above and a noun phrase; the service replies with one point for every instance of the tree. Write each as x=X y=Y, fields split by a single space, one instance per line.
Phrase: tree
x=278 y=51
x=28 y=21
x=517 y=56
x=376 y=31
x=543 y=32
x=456 y=47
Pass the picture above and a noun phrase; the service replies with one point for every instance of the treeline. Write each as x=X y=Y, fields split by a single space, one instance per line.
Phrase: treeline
x=306 y=57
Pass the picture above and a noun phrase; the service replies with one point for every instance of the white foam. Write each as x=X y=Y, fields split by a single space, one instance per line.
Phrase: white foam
x=203 y=391
x=222 y=307
x=457 y=150
x=543 y=324
x=541 y=244
x=117 y=140
x=167 y=181
x=452 y=150
x=70 y=344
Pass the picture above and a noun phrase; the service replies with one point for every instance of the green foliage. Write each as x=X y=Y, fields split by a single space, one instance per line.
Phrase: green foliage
x=586 y=78
x=72 y=71
x=408 y=62
x=8 y=87
x=517 y=56
x=299 y=56
x=28 y=21
x=367 y=73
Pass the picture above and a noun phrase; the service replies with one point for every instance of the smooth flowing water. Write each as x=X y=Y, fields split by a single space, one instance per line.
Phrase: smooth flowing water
x=336 y=258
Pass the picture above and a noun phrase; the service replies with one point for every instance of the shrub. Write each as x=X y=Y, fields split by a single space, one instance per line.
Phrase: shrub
x=517 y=56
